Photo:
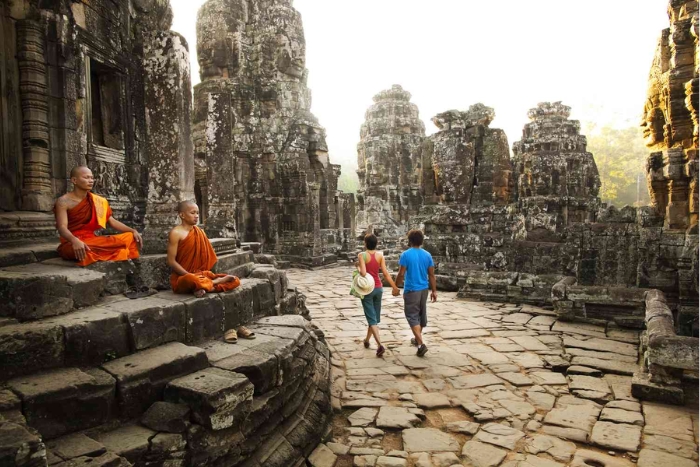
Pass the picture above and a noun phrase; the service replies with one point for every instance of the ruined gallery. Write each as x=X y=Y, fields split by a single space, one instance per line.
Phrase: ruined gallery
x=566 y=332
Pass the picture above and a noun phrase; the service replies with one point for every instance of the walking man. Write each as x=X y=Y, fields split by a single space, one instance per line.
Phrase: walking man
x=416 y=265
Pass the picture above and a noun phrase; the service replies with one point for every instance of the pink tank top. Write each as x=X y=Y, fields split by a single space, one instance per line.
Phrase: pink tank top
x=372 y=267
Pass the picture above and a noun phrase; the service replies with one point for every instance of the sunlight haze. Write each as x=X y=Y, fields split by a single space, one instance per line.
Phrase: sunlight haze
x=593 y=56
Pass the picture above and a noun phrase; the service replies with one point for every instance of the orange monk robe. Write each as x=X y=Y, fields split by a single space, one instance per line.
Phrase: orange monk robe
x=89 y=215
x=196 y=255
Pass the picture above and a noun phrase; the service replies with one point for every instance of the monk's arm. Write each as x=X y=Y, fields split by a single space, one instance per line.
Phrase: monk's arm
x=173 y=241
x=120 y=227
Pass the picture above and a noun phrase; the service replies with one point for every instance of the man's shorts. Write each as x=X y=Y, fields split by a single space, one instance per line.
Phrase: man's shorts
x=415 y=307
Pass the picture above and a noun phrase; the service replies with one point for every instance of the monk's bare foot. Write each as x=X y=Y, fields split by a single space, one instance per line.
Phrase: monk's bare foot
x=199 y=293
x=223 y=280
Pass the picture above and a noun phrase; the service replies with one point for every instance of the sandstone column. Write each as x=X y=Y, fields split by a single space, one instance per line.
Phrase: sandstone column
x=221 y=211
x=37 y=194
x=168 y=102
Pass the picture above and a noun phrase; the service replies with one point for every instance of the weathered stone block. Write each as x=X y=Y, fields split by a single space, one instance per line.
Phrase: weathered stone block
x=218 y=398
x=36 y=291
x=141 y=377
x=65 y=400
x=75 y=445
x=261 y=368
x=152 y=271
x=239 y=305
x=230 y=262
x=21 y=446
x=264 y=298
x=153 y=320
x=30 y=347
x=167 y=417
x=129 y=441
x=204 y=318
x=93 y=336
x=277 y=279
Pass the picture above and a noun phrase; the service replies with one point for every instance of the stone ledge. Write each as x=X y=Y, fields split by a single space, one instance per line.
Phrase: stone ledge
x=117 y=327
x=141 y=377
x=35 y=291
x=65 y=400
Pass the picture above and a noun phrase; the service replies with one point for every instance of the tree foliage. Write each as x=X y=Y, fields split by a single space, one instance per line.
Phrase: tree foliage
x=621 y=156
x=348 y=181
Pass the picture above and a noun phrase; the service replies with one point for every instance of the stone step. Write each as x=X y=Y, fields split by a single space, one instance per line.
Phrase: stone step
x=153 y=271
x=117 y=326
x=17 y=254
x=34 y=291
x=66 y=400
x=276 y=385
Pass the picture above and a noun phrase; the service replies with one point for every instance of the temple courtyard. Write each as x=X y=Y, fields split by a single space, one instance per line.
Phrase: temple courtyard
x=502 y=384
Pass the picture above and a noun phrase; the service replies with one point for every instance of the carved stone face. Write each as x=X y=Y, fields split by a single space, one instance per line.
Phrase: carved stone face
x=652 y=123
x=220 y=24
x=290 y=50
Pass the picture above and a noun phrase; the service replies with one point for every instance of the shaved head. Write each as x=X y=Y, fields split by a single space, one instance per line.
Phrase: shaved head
x=183 y=205
x=77 y=170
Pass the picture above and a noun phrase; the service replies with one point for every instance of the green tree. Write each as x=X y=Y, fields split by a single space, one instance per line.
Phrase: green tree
x=621 y=156
x=348 y=181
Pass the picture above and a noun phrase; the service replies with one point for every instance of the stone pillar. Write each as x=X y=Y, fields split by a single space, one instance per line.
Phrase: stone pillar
x=168 y=102
x=315 y=218
x=221 y=216
x=37 y=194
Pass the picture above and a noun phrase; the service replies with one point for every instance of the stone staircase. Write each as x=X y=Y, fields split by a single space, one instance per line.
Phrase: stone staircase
x=88 y=376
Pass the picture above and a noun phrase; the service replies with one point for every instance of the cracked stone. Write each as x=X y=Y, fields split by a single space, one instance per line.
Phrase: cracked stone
x=499 y=435
x=618 y=436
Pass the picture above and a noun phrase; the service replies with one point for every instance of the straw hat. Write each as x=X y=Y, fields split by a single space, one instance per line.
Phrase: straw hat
x=363 y=285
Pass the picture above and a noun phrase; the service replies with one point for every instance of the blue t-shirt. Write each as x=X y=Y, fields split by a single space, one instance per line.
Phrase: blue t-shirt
x=416 y=261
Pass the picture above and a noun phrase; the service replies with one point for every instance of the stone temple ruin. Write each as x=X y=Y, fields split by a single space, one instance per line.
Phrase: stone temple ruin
x=262 y=168
x=89 y=377
x=532 y=229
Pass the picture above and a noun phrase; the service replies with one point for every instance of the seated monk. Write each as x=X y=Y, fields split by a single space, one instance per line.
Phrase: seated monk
x=79 y=213
x=191 y=257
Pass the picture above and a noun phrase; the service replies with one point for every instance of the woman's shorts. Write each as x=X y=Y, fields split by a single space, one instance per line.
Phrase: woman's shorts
x=372 y=304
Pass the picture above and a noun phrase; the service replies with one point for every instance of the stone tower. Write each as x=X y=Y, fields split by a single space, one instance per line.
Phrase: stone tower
x=388 y=157
x=557 y=180
x=263 y=171
x=670 y=119
x=466 y=162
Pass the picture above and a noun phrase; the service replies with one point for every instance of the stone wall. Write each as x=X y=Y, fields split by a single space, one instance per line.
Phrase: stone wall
x=78 y=78
x=264 y=170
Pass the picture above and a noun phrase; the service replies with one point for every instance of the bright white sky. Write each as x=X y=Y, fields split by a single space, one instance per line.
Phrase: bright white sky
x=592 y=55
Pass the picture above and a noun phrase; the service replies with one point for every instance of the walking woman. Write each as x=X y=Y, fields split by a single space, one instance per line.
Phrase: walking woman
x=371 y=261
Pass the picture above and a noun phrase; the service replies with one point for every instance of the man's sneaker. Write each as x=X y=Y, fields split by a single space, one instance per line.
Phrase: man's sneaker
x=422 y=350
x=413 y=341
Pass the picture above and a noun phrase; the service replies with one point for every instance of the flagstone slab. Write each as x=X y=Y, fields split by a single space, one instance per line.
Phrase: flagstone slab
x=396 y=417
x=482 y=454
x=618 y=436
x=475 y=381
x=499 y=435
x=428 y=440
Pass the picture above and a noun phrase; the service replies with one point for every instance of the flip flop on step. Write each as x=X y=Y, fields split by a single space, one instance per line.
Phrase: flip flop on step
x=245 y=333
x=230 y=336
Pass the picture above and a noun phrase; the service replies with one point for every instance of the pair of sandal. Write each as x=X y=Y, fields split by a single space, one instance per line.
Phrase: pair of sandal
x=231 y=336
x=380 y=349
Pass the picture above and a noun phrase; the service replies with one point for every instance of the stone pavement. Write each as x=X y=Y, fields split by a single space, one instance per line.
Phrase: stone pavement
x=502 y=384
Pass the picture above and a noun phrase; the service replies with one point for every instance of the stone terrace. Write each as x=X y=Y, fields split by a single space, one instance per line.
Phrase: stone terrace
x=502 y=384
